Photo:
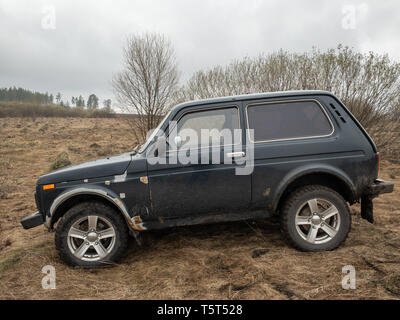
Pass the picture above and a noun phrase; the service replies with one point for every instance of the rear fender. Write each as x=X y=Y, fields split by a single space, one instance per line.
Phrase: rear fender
x=299 y=172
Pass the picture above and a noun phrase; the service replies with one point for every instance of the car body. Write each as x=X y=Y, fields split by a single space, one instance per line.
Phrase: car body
x=300 y=138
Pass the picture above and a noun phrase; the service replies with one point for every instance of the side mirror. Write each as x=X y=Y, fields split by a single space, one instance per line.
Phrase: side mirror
x=178 y=141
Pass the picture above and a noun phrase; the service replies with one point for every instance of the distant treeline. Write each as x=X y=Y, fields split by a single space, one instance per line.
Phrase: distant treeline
x=33 y=110
x=19 y=102
x=23 y=95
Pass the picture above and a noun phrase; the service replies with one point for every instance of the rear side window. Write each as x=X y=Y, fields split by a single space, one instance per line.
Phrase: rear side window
x=288 y=120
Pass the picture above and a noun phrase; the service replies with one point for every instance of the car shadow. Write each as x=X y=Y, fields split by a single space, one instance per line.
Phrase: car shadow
x=216 y=236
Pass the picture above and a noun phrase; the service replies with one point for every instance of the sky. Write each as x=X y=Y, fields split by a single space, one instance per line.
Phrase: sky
x=75 y=47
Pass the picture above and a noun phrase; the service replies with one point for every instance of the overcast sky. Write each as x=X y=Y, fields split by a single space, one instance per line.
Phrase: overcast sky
x=75 y=47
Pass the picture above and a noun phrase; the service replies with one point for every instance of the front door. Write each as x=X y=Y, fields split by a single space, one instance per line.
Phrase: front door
x=190 y=187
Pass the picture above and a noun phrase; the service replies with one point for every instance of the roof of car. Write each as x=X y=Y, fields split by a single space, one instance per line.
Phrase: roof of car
x=253 y=96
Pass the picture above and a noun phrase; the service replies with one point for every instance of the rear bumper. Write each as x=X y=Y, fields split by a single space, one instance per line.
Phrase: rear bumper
x=32 y=221
x=379 y=187
x=374 y=190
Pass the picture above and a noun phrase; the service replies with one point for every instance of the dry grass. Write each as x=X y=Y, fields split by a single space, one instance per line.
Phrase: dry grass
x=35 y=110
x=225 y=261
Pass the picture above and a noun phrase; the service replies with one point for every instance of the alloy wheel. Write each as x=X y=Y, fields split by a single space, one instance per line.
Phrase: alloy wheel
x=91 y=238
x=317 y=221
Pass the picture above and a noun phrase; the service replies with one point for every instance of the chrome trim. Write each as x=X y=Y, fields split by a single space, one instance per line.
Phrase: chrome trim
x=290 y=101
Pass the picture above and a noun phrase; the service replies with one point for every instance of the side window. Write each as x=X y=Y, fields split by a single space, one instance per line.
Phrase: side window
x=288 y=120
x=223 y=120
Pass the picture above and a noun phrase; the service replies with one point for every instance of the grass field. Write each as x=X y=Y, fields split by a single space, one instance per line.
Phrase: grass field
x=226 y=261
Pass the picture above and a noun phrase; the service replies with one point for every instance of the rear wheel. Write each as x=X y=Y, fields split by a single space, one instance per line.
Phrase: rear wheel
x=315 y=218
x=91 y=234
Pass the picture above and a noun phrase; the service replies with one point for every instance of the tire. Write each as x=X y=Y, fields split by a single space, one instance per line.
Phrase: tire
x=322 y=231
x=105 y=244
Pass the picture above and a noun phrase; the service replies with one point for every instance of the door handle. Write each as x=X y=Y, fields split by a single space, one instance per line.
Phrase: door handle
x=236 y=154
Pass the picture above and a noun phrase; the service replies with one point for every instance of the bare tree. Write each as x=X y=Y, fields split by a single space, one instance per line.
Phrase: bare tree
x=148 y=82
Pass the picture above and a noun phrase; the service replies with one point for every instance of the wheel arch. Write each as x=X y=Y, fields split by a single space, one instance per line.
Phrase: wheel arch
x=326 y=176
x=69 y=198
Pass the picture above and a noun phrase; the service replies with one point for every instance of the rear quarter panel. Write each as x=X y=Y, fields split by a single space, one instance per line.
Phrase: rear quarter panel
x=346 y=153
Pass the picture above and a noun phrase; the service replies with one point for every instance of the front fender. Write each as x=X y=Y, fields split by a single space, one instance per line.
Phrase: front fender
x=107 y=194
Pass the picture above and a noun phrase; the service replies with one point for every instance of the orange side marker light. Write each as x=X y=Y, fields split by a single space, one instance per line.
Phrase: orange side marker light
x=48 y=186
x=144 y=179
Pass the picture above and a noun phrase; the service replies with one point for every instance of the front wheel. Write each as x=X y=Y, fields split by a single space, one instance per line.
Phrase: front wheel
x=315 y=218
x=91 y=234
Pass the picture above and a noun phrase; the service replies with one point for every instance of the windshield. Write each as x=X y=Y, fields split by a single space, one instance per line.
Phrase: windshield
x=153 y=134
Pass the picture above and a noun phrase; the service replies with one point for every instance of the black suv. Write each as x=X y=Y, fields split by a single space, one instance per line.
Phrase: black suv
x=300 y=155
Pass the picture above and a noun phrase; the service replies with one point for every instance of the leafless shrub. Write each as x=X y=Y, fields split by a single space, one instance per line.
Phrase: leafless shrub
x=148 y=81
x=61 y=161
x=106 y=151
x=368 y=84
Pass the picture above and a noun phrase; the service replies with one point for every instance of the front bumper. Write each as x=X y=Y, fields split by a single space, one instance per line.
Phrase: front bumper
x=374 y=190
x=32 y=221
